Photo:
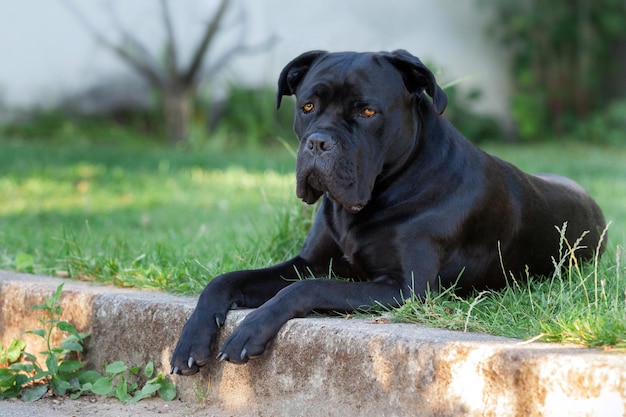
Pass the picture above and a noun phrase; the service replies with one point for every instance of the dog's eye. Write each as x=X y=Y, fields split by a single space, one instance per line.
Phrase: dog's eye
x=367 y=112
x=308 y=108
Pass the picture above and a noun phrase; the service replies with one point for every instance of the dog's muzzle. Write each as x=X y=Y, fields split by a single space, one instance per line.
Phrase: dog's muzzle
x=323 y=167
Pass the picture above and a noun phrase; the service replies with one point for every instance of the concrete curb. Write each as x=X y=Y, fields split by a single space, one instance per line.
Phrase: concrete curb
x=327 y=366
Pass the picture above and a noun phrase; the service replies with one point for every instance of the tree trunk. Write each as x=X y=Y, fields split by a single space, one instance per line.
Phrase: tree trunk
x=177 y=101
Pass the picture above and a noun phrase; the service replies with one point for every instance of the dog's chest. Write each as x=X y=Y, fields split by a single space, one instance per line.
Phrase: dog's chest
x=360 y=243
x=350 y=248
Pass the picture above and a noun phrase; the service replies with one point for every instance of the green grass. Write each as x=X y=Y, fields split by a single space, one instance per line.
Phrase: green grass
x=144 y=216
x=127 y=212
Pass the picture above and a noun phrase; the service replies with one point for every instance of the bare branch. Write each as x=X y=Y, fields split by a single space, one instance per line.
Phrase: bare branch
x=133 y=48
x=82 y=20
x=171 y=53
x=240 y=49
x=143 y=66
x=144 y=69
x=203 y=46
x=127 y=35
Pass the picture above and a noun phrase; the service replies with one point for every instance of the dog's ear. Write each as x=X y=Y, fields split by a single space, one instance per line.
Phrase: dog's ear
x=294 y=72
x=417 y=78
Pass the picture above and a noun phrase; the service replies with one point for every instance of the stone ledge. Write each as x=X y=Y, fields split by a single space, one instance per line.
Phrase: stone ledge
x=330 y=366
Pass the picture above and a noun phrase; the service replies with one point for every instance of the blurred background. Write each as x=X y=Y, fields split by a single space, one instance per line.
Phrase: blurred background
x=515 y=71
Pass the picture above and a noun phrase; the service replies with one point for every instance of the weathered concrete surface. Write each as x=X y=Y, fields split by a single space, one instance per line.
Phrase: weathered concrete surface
x=327 y=367
x=92 y=406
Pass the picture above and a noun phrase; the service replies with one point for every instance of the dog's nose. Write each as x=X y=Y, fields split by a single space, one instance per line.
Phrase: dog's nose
x=319 y=143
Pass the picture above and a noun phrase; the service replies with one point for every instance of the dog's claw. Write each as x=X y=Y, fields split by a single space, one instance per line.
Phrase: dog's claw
x=222 y=357
x=190 y=362
x=244 y=354
x=217 y=321
x=174 y=370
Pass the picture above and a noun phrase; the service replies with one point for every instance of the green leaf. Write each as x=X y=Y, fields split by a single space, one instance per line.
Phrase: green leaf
x=39 y=307
x=11 y=383
x=59 y=385
x=52 y=362
x=150 y=389
x=64 y=326
x=12 y=392
x=70 y=366
x=145 y=392
x=21 y=380
x=33 y=394
x=7 y=379
x=116 y=368
x=90 y=376
x=167 y=391
x=54 y=299
x=71 y=345
x=38 y=332
x=13 y=352
x=149 y=369
x=18 y=344
x=24 y=367
x=102 y=386
x=121 y=391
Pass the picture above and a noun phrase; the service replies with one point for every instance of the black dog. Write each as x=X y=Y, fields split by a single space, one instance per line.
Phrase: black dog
x=408 y=204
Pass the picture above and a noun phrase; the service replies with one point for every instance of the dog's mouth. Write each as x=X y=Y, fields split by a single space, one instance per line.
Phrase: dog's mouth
x=354 y=209
x=309 y=189
x=312 y=185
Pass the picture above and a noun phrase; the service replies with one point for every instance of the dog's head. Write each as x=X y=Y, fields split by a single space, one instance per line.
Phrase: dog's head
x=355 y=118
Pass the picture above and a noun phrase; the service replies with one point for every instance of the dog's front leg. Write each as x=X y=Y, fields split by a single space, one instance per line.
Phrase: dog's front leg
x=261 y=326
x=241 y=288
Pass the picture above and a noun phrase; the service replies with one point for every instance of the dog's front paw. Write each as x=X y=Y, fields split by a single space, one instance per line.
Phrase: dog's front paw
x=250 y=338
x=196 y=342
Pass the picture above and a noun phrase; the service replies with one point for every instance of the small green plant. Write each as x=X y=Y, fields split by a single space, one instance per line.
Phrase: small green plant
x=121 y=382
x=63 y=372
x=30 y=379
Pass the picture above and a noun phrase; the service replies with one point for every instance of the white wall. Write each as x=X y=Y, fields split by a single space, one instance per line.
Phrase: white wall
x=45 y=53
